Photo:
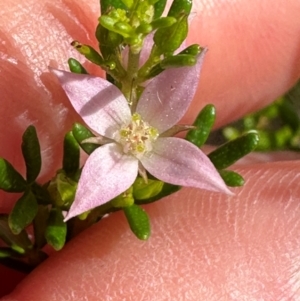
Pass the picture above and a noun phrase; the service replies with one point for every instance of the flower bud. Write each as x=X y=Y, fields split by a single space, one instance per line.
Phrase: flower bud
x=143 y=191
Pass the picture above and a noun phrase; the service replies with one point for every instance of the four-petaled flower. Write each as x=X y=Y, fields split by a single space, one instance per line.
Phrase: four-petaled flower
x=134 y=141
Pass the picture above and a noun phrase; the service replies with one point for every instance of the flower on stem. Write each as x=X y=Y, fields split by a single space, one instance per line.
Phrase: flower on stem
x=135 y=142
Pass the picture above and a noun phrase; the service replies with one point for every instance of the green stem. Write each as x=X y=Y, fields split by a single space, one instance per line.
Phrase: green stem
x=129 y=86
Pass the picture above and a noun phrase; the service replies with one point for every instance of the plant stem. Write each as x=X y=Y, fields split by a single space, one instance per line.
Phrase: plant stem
x=129 y=87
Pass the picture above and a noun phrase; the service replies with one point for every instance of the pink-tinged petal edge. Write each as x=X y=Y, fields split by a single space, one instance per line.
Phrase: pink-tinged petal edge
x=179 y=162
x=168 y=96
x=100 y=104
x=107 y=173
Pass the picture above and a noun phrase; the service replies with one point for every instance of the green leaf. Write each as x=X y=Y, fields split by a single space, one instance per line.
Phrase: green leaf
x=138 y=221
x=76 y=67
x=32 y=153
x=10 y=179
x=177 y=61
x=180 y=7
x=56 y=229
x=20 y=243
x=81 y=133
x=71 y=154
x=194 y=49
x=203 y=123
x=170 y=38
x=159 y=8
x=231 y=178
x=89 y=52
x=230 y=152
x=23 y=212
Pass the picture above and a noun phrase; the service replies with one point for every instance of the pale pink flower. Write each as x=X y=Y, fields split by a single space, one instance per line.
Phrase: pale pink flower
x=133 y=141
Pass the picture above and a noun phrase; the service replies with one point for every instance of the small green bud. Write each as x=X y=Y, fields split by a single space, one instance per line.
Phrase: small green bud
x=143 y=191
x=144 y=28
x=123 y=28
x=62 y=190
x=107 y=22
x=89 y=52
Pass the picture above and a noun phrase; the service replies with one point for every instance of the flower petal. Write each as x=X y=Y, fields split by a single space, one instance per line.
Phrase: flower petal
x=107 y=173
x=101 y=105
x=179 y=162
x=168 y=96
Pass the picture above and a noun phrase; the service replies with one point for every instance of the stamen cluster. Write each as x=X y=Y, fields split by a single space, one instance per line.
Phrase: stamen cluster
x=137 y=136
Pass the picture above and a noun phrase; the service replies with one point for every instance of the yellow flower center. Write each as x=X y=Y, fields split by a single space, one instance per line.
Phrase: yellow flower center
x=137 y=136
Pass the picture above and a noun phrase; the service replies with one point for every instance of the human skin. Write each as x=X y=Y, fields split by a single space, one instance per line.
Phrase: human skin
x=204 y=246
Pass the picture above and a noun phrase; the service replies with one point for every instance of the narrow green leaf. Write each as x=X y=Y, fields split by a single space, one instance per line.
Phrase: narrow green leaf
x=177 y=61
x=76 y=67
x=231 y=178
x=32 y=153
x=20 y=241
x=194 y=49
x=159 y=8
x=23 y=212
x=71 y=154
x=170 y=38
x=203 y=123
x=89 y=52
x=56 y=229
x=230 y=152
x=180 y=7
x=138 y=221
x=10 y=179
x=81 y=133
